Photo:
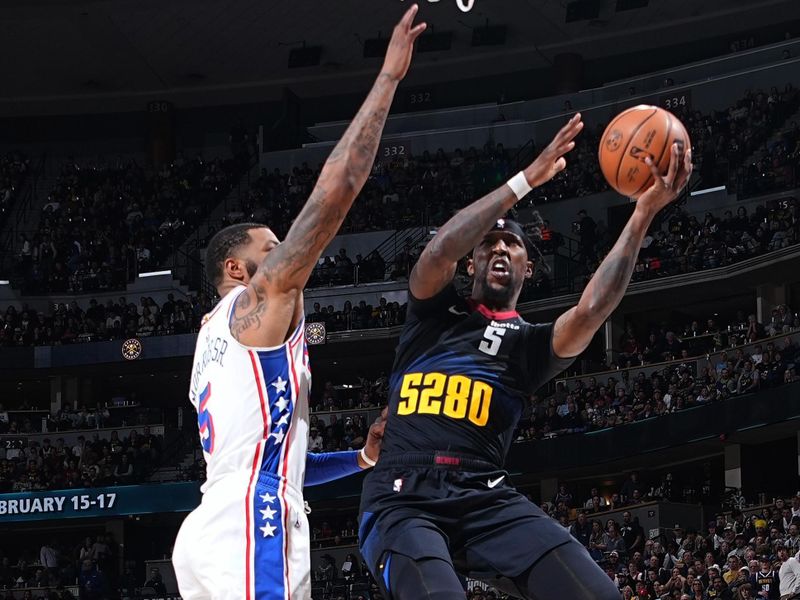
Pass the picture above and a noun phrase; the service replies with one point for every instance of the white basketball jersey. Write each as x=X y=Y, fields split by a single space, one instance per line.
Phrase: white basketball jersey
x=251 y=403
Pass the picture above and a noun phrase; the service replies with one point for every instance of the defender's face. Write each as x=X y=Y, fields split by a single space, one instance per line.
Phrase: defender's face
x=499 y=266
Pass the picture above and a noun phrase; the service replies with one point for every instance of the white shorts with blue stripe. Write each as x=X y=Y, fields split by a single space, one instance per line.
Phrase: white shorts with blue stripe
x=248 y=540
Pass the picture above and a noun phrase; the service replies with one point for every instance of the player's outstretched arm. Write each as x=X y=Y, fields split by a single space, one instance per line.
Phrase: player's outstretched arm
x=575 y=328
x=437 y=263
x=286 y=269
x=327 y=466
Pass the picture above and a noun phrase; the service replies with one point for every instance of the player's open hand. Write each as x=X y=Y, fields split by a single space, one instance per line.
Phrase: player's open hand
x=401 y=46
x=375 y=436
x=666 y=188
x=551 y=161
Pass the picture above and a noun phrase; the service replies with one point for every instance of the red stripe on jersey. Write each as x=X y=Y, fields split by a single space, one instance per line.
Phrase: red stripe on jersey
x=296 y=395
x=260 y=394
x=247 y=505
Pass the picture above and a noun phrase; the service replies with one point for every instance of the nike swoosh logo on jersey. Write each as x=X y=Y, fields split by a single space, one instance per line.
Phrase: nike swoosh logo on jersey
x=455 y=311
x=493 y=482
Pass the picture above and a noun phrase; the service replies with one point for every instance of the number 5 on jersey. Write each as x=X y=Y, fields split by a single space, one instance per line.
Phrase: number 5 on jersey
x=492 y=338
x=204 y=420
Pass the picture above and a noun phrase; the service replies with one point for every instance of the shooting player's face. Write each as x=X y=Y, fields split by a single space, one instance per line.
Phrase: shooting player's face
x=499 y=266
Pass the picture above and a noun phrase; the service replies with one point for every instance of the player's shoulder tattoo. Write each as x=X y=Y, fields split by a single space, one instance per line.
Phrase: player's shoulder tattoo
x=248 y=309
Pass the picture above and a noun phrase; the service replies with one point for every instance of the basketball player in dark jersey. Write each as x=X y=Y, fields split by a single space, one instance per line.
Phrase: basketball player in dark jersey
x=439 y=501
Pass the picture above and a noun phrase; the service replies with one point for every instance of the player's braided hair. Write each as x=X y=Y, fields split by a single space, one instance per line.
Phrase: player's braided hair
x=223 y=245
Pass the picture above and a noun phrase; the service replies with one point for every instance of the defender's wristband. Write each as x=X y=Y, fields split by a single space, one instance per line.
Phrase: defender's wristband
x=367 y=459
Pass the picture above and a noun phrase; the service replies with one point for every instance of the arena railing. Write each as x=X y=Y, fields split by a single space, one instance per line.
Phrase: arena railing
x=18 y=593
x=698 y=71
x=540 y=119
x=693 y=363
x=653 y=285
x=482 y=114
x=370 y=413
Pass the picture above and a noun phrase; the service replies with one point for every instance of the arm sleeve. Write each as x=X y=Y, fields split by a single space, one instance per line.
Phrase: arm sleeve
x=542 y=362
x=327 y=466
x=428 y=308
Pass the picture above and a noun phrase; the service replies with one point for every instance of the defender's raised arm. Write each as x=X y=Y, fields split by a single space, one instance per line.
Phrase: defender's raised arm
x=264 y=314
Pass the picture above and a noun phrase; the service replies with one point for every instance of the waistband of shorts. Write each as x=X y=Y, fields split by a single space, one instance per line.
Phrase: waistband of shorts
x=437 y=460
x=264 y=480
x=273 y=482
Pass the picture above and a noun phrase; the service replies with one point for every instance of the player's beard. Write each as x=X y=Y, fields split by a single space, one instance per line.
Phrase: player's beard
x=495 y=295
x=251 y=267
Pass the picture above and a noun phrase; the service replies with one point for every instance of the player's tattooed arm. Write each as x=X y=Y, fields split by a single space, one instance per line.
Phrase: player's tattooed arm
x=573 y=331
x=289 y=266
x=264 y=313
x=437 y=263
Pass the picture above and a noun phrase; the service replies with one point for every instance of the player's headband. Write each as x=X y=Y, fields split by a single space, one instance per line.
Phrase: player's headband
x=516 y=229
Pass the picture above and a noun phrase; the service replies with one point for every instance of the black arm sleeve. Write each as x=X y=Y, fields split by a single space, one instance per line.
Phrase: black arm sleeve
x=441 y=302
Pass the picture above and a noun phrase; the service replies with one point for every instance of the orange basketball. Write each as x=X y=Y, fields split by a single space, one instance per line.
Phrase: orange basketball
x=632 y=136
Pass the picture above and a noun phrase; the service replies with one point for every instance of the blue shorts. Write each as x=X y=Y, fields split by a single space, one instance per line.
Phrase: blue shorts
x=476 y=520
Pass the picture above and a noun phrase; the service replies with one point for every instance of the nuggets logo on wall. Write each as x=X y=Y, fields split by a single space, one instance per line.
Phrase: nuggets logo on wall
x=131 y=349
x=316 y=333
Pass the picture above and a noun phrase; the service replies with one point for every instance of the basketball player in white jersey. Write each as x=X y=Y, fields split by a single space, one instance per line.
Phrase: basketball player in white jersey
x=249 y=538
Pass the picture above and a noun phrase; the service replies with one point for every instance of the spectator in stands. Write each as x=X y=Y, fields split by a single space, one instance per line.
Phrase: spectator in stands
x=326 y=571
x=48 y=558
x=351 y=567
x=92 y=583
x=581 y=529
x=562 y=495
x=156 y=582
x=719 y=590
x=764 y=581
x=749 y=379
x=615 y=543
x=734 y=565
x=632 y=533
x=631 y=485
x=315 y=440
x=598 y=541
x=595 y=494
x=123 y=472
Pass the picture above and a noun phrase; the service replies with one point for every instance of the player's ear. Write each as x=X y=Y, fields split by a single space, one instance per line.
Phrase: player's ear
x=529 y=269
x=235 y=268
x=470 y=267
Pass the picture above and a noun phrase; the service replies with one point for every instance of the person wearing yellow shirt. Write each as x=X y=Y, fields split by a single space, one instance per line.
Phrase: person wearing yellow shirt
x=734 y=565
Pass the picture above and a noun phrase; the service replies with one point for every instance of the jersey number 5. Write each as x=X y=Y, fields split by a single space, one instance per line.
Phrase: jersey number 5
x=492 y=338
x=205 y=422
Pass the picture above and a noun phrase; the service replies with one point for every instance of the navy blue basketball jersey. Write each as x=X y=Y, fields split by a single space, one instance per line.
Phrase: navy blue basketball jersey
x=461 y=376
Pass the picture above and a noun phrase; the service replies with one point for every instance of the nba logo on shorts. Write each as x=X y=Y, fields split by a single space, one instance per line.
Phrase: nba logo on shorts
x=398 y=485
